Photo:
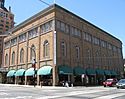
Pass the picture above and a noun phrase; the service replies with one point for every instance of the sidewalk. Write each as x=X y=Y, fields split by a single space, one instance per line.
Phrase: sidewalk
x=47 y=87
x=32 y=86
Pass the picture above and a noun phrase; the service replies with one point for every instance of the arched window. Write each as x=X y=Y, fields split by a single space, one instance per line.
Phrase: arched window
x=46 y=49
x=13 y=58
x=22 y=55
x=63 y=48
x=32 y=52
x=77 y=52
x=6 y=59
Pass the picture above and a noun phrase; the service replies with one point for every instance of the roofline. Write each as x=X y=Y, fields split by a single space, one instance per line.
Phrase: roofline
x=52 y=7
x=86 y=21
x=32 y=18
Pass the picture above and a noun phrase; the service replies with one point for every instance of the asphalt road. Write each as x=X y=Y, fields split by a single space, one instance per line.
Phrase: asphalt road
x=30 y=92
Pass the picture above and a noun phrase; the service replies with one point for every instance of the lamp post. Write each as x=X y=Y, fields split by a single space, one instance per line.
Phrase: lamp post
x=34 y=66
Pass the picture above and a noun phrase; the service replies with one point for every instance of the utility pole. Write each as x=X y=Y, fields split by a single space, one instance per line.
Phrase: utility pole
x=45 y=2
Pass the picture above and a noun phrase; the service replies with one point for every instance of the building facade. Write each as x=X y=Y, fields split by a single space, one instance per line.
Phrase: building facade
x=64 y=46
x=6 y=23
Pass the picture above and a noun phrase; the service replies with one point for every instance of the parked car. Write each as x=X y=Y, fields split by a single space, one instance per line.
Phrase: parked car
x=120 y=83
x=110 y=82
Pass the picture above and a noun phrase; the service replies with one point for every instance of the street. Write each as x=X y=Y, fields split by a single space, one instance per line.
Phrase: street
x=30 y=92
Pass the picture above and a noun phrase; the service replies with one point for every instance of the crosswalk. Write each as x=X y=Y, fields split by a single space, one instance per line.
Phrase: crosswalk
x=91 y=94
x=87 y=93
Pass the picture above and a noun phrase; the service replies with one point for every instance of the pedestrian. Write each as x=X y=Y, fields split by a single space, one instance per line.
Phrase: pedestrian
x=66 y=84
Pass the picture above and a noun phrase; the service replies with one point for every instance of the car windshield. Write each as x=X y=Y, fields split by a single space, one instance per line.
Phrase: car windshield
x=109 y=80
x=122 y=81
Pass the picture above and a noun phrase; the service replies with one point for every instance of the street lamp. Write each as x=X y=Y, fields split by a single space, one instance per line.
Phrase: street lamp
x=34 y=66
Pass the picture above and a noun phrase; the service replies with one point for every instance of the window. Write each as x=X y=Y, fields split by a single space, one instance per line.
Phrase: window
x=33 y=33
x=46 y=49
x=46 y=27
x=63 y=49
x=7 y=44
x=62 y=26
x=6 y=59
x=22 y=55
x=14 y=41
x=32 y=53
x=22 y=37
x=67 y=28
x=88 y=55
x=58 y=24
x=109 y=46
x=77 y=52
x=13 y=58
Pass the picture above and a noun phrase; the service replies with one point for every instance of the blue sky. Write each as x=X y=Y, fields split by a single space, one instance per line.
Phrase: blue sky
x=108 y=15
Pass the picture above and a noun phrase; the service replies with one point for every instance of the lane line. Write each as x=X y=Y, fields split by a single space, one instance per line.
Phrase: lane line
x=71 y=94
x=110 y=96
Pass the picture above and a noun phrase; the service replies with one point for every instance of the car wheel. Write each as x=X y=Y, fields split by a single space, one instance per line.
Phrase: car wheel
x=117 y=87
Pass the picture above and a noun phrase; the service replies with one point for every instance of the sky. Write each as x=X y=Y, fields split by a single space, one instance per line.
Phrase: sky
x=108 y=15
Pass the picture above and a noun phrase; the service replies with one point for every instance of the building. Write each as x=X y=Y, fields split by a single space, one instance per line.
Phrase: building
x=56 y=45
x=6 y=23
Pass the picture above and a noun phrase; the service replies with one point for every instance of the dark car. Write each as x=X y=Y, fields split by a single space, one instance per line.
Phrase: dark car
x=121 y=83
x=110 y=82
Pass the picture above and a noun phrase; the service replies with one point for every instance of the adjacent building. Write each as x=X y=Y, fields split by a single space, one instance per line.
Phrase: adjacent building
x=55 y=45
x=6 y=23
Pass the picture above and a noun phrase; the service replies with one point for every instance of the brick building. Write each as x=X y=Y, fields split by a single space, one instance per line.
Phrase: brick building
x=65 y=48
x=6 y=23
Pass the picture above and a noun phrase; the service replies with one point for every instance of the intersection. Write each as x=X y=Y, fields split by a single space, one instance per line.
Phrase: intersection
x=30 y=92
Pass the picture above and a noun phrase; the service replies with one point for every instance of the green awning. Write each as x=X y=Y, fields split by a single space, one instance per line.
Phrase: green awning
x=107 y=72
x=79 y=71
x=65 y=70
x=113 y=73
x=20 y=72
x=11 y=73
x=100 y=71
x=29 y=72
x=45 y=70
x=90 y=71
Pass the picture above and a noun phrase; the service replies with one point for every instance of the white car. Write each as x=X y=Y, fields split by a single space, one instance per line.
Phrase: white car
x=120 y=83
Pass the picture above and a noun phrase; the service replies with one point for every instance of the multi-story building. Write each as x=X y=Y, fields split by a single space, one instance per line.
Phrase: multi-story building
x=6 y=23
x=65 y=47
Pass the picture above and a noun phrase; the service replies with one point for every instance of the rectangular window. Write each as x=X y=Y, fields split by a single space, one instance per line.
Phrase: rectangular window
x=22 y=37
x=58 y=24
x=14 y=41
x=7 y=44
x=33 y=33
x=67 y=28
x=62 y=26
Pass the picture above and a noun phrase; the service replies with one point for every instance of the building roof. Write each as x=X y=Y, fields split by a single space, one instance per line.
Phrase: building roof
x=51 y=7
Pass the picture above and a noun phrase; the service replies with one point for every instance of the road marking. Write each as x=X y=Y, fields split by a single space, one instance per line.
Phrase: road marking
x=70 y=94
x=110 y=96
x=3 y=93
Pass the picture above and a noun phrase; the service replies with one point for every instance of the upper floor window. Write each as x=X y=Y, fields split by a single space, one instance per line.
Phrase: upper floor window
x=46 y=49
x=67 y=28
x=46 y=27
x=63 y=48
x=103 y=43
x=32 y=52
x=33 y=33
x=14 y=41
x=22 y=55
x=62 y=26
x=22 y=37
x=6 y=59
x=109 y=46
x=58 y=24
x=7 y=44
x=13 y=58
